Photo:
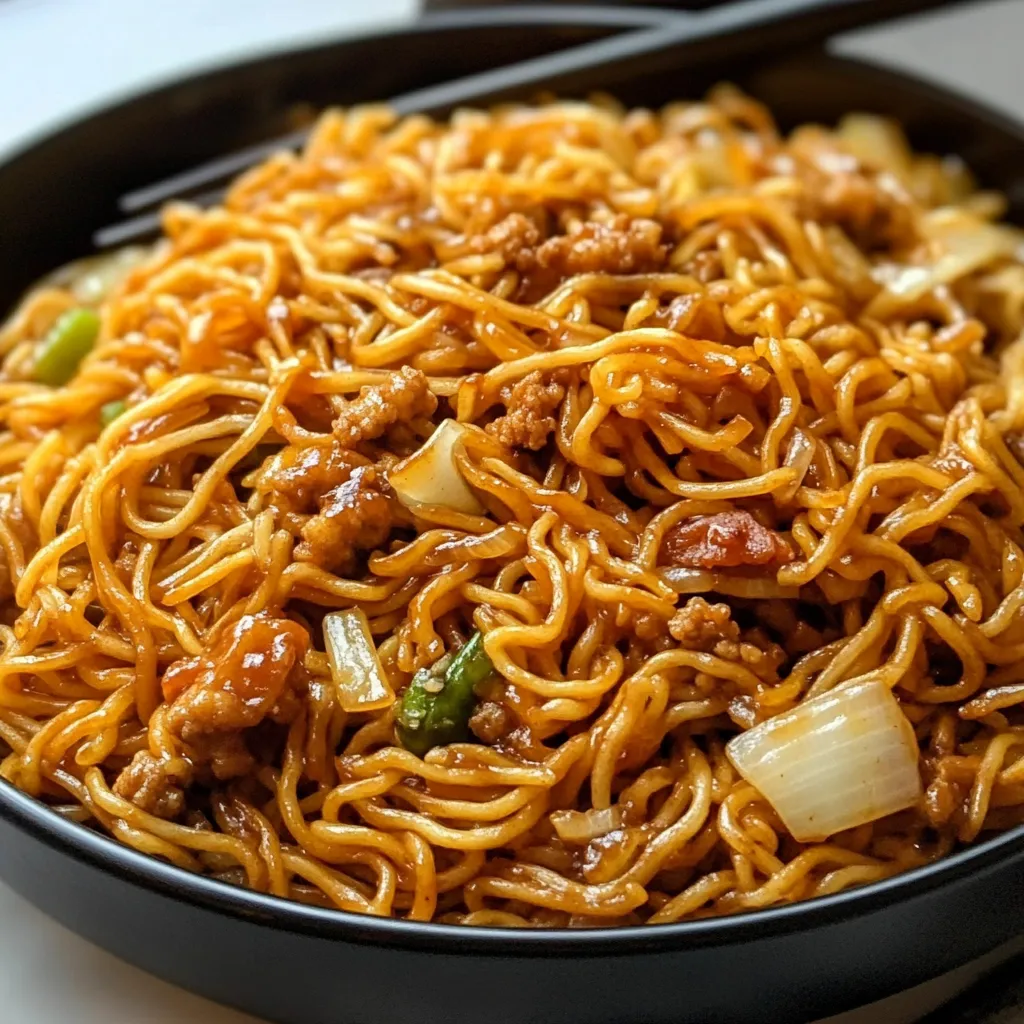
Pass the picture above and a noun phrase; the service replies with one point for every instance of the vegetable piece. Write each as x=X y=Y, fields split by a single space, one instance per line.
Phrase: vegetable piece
x=430 y=475
x=723 y=540
x=965 y=244
x=834 y=762
x=358 y=675
x=799 y=457
x=91 y=280
x=109 y=411
x=70 y=340
x=435 y=708
x=579 y=827
x=684 y=580
x=877 y=142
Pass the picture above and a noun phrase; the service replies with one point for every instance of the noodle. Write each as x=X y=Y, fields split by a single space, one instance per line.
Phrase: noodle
x=741 y=428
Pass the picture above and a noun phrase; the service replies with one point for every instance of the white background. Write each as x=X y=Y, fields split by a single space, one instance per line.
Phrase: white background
x=58 y=57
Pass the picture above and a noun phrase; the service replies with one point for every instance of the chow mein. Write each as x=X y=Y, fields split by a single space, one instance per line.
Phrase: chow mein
x=557 y=516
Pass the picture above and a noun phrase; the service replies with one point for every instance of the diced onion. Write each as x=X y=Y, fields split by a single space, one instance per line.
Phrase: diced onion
x=834 y=762
x=430 y=475
x=579 y=827
x=701 y=581
x=359 y=677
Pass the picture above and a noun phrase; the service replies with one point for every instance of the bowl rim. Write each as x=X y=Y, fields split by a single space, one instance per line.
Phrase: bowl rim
x=151 y=89
x=102 y=852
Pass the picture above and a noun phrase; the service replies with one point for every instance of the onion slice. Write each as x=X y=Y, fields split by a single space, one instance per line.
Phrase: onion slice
x=834 y=762
x=877 y=142
x=799 y=457
x=579 y=827
x=430 y=476
x=359 y=677
x=966 y=243
x=684 y=580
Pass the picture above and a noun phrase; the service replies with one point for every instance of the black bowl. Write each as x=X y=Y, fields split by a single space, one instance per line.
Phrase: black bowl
x=303 y=965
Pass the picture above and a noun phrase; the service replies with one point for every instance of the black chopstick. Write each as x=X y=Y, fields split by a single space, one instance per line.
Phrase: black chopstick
x=721 y=33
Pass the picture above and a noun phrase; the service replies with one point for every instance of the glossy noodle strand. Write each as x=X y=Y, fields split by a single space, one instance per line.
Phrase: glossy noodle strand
x=736 y=424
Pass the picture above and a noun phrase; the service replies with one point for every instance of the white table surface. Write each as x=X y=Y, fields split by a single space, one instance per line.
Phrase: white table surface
x=58 y=57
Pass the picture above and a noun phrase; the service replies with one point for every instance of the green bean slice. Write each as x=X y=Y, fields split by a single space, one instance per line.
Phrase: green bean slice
x=109 y=411
x=69 y=341
x=436 y=706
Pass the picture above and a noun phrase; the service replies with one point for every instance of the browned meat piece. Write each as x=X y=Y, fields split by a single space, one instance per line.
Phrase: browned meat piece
x=223 y=755
x=698 y=626
x=491 y=722
x=515 y=238
x=341 y=492
x=722 y=541
x=237 y=682
x=300 y=477
x=650 y=628
x=147 y=783
x=528 y=421
x=354 y=516
x=402 y=397
x=621 y=246
x=755 y=650
x=872 y=215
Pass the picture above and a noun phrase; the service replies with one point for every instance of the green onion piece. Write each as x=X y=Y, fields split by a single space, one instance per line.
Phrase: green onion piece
x=109 y=411
x=70 y=340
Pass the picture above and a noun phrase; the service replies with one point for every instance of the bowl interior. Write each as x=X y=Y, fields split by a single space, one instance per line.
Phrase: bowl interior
x=57 y=192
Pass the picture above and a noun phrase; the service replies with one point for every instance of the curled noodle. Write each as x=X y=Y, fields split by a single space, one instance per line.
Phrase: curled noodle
x=647 y=321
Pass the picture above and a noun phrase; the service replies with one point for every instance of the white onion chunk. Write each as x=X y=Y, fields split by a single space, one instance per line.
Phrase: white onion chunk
x=834 y=762
x=430 y=476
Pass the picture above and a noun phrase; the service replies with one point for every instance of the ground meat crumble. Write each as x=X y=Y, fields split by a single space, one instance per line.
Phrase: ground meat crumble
x=238 y=681
x=341 y=493
x=243 y=678
x=491 y=722
x=701 y=626
x=514 y=238
x=622 y=245
x=403 y=396
x=354 y=516
x=618 y=245
x=529 y=420
x=151 y=784
x=698 y=626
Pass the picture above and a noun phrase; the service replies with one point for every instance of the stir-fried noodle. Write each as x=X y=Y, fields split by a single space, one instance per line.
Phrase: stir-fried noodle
x=741 y=422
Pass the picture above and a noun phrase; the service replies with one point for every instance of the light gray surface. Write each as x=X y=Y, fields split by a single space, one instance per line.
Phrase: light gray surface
x=58 y=57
